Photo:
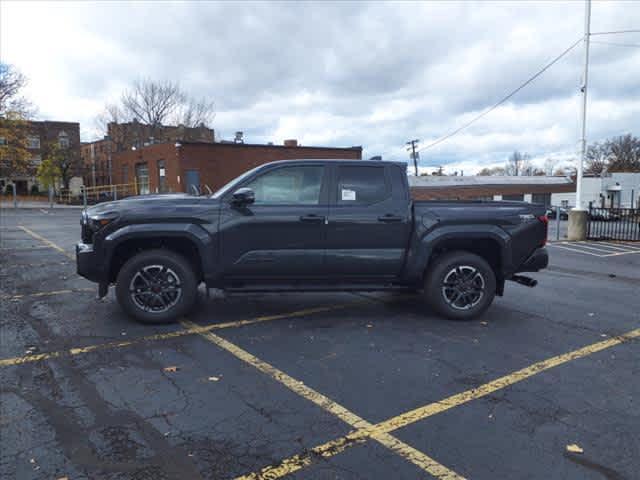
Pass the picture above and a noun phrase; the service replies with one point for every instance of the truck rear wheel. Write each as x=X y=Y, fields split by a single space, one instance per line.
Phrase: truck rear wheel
x=156 y=286
x=460 y=285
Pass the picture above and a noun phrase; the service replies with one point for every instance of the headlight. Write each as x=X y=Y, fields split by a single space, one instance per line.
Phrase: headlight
x=98 y=221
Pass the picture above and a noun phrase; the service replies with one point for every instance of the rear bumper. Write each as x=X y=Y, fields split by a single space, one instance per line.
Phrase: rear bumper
x=87 y=263
x=538 y=260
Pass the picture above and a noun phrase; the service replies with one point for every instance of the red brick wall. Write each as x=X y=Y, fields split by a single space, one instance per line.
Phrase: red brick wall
x=216 y=163
x=472 y=192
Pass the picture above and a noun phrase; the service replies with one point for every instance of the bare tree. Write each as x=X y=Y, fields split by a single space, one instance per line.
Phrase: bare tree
x=597 y=158
x=518 y=164
x=549 y=165
x=485 y=172
x=624 y=153
x=157 y=104
x=11 y=102
x=194 y=113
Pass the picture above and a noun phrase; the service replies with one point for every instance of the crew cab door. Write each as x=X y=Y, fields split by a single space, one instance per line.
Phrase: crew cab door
x=369 y=222
x=282 y=234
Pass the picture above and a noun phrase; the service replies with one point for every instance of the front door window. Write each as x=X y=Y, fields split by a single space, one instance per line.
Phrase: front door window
x=289 y=186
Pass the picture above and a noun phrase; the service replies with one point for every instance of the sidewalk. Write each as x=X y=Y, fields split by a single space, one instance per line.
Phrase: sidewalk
x=37 y=205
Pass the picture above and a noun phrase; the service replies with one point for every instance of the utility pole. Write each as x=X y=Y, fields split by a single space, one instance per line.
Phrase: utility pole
x=578 y=215
x=414 y=155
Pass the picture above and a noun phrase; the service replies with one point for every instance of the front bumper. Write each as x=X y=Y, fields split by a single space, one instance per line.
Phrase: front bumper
x=538 y=260
x=87 y=263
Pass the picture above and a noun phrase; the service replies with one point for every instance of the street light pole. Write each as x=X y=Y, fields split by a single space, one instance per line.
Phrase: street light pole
x=583 y=139
x=577 y=228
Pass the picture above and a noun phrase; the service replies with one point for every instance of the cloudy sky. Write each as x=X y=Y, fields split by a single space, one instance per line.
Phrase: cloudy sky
x=341 y=74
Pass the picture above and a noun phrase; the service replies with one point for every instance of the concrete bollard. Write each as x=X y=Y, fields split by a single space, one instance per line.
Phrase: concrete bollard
x=577 y=228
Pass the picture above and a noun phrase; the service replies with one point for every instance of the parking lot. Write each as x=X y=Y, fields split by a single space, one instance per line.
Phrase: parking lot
x=316 y=386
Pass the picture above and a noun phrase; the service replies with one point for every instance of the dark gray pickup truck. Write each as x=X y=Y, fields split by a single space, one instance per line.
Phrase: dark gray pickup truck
x=309 y=225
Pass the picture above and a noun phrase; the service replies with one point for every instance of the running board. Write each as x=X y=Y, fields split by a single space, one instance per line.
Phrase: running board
x=315 y=288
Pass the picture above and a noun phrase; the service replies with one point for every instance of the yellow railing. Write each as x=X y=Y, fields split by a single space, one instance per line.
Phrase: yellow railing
x=99 y=193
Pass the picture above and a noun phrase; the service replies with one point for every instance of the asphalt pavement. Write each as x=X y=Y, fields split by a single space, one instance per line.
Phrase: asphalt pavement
x=316 y=386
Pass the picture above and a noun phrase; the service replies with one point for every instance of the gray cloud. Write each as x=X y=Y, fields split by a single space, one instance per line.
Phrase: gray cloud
x=340 y=73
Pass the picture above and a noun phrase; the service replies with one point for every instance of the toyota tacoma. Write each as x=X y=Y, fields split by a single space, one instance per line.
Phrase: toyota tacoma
x=309 y=225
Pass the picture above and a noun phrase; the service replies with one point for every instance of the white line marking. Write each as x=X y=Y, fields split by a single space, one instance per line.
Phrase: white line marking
x=588 y=247
x=574 y=250
x=611 y=245
x=621 y=253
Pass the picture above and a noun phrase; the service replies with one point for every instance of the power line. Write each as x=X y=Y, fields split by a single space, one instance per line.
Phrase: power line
x=503 y=100
x=615 y=32
x=636 y=45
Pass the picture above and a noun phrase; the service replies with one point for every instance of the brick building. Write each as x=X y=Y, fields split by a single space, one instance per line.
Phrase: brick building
x=39 y=136
x=137 y=135
x=95 y=160
x=175 y=167
x=536 y=189
x=97 y=156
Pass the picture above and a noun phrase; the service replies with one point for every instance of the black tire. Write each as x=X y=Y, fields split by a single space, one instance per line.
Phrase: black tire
x=164 y=283
x=460 y=285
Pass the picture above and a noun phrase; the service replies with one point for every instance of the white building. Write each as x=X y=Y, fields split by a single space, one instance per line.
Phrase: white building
x=614 y=190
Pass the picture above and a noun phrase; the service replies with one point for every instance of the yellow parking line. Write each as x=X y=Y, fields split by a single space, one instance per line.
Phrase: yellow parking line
x=47 y=294
x=47 y=242
x=334 y=447
x=166 y=336
x=418 y=458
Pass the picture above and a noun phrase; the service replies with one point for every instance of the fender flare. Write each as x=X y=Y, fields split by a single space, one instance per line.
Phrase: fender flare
x=421 y=252
x=193 y=232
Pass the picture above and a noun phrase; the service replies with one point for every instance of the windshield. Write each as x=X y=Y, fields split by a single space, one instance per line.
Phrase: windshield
x=230 y=185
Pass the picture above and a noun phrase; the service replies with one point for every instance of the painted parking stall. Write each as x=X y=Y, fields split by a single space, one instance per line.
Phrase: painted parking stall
x=315 y=385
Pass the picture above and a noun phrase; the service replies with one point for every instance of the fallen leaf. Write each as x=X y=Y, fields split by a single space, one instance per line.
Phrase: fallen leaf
x=33 y=460
x=484 y=323
x=63 y=478
x=369 y=325
x=573 y=448
x=170 y=369
x=214 y=379
x=591 y=314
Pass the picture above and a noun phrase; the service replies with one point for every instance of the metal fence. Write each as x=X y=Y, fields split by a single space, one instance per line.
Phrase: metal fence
x=614 y=224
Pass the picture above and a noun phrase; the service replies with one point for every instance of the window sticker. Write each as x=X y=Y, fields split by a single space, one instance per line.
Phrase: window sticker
x=348 y=195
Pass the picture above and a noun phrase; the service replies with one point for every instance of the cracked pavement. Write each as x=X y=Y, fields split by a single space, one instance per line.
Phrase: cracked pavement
x=116 y=413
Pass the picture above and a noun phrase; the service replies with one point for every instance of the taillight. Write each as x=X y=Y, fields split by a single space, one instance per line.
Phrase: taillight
x=545 y=220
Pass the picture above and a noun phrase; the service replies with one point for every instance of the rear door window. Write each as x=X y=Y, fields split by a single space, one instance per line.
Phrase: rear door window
x=362 y=185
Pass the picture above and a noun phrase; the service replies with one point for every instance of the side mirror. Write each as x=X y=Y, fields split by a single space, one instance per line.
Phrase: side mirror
x=243 y=196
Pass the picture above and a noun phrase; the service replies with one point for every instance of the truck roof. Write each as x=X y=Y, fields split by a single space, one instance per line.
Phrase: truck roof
x=341 y=161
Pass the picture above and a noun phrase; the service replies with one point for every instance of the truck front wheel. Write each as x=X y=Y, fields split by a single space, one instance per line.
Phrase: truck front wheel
x=156 y=286
x=460 y=285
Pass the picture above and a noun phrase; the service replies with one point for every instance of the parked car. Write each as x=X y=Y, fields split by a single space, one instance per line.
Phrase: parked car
x=310 y=225
x=552 y=213
x=603 y=214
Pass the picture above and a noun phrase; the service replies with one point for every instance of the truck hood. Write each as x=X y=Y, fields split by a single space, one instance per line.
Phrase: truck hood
x=168 y=206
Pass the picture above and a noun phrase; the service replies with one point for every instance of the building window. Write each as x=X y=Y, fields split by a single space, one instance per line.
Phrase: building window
x=142 y=178
x=564 y=204
x=125 y=173
x=3 y=141
x=63 y=140
x=541 y=198
x=162 y=177
x=36 y=160
x=33 y=142
x=517 y=197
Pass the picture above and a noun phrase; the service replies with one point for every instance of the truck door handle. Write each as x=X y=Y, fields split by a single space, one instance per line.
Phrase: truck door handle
x=312 y=218
x=389 y=218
